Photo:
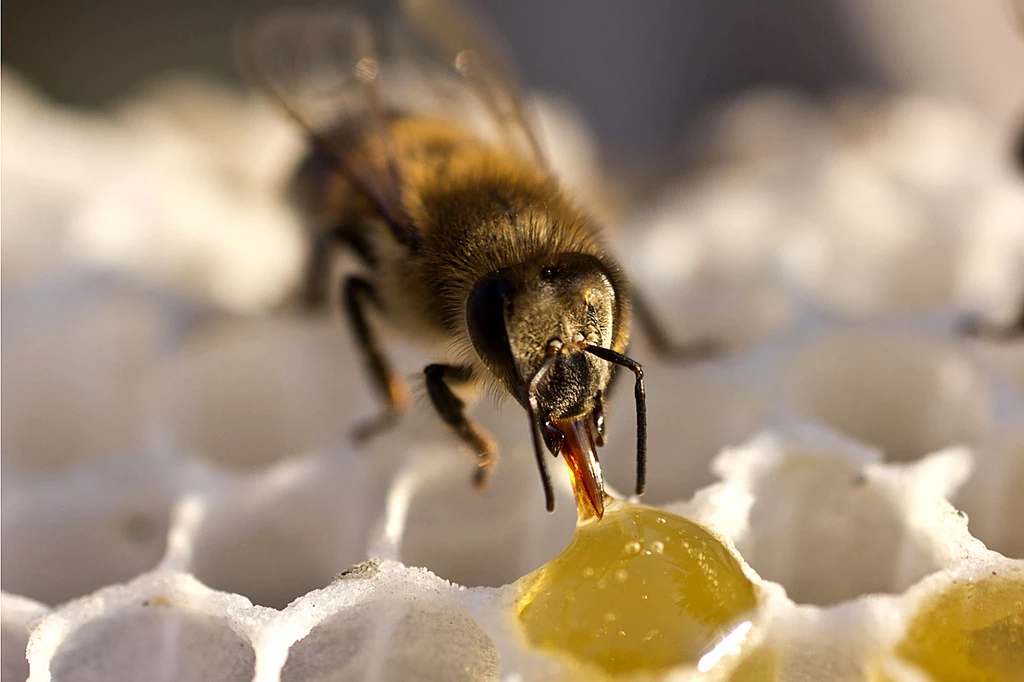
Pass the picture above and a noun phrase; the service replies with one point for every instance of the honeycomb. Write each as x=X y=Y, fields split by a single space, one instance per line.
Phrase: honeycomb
x=182 y=501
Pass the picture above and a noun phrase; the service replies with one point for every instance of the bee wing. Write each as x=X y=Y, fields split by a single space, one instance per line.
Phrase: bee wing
x=476 y=53
x=321 y=65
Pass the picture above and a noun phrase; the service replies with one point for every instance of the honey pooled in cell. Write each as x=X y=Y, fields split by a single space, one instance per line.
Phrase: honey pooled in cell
x=638 y=590
x=971 y=632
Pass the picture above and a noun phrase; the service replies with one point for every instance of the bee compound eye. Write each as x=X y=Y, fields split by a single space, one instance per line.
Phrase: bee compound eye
x=548 y=272
x=485 y=318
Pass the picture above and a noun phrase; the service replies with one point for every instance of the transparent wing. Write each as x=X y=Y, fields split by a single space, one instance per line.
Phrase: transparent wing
x=476 y=53
x=321 y=65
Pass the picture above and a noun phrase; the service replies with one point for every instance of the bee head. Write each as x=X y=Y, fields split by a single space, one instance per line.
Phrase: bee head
x=519 y=315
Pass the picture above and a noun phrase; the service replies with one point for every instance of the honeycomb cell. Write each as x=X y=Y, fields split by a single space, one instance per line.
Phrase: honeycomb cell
x=991 y=498
x=440 y=643
x=289 y=531
x=64 y=541
x=247 y=392
x=692 y=415
x=972 y=631
x=80 y=354
x=640 y=590
x=874 y=237
x=503 y=533
x=827 y=532
x=907 y=395
x=394 y=641
x=334 y=650
x=154 y=640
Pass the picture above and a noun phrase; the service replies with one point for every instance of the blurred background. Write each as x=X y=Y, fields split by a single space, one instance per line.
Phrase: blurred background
x=641 y=72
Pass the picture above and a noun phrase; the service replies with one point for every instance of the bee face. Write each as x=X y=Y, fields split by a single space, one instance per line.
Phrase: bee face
x=517 y=315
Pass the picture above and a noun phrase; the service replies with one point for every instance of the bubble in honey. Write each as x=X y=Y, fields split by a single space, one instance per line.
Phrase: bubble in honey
x=640 y=590
x=971 y=632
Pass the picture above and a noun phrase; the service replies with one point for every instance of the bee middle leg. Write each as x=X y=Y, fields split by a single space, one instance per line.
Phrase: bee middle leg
x=356 y=294
x=323 y=244
x=691 y=350
x=451 y=409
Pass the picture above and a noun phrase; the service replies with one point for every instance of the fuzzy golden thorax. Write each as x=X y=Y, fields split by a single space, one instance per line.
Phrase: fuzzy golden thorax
x=511 y=264
x=498 y=238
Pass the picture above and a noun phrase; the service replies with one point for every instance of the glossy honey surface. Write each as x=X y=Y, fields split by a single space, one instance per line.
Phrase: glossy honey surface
x=640 y=590
x=971 y=632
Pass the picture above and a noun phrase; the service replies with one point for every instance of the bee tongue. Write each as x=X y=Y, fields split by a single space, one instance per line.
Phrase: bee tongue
x=580 y=456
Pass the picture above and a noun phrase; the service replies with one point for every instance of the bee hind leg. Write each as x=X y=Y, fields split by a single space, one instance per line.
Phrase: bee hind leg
x=323 y=244
x=451 y=409
x=316 y=274
x=356 y=294
x=977 y=326
x=690 y=350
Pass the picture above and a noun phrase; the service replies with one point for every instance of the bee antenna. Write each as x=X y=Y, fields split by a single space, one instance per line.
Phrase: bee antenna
x=533 y=407
x=640 y=395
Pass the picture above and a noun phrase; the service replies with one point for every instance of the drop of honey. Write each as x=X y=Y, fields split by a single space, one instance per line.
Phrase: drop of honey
x=972 y=632
x=699 y=595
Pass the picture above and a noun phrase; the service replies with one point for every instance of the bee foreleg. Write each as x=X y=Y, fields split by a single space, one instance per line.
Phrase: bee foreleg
x=691 y=350
x=451 y=409
x=356 y=294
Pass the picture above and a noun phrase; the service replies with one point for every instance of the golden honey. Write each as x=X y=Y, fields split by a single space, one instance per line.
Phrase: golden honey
x=972 y=632
x=639 y=591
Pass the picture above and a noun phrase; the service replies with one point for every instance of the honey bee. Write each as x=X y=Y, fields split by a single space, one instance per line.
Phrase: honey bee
x=469 y=246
